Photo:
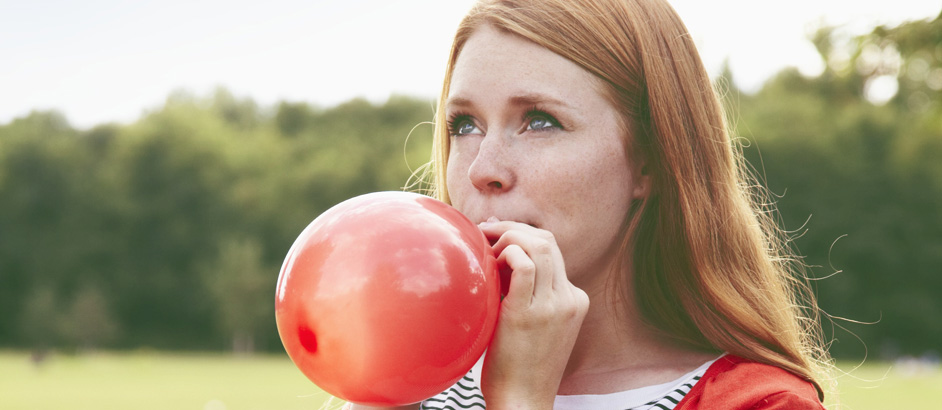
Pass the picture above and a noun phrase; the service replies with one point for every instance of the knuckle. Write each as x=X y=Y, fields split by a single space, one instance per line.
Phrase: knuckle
x=543 y=247
x=583 y=306
x=580 y=301
x=526 y=267
x=571 y=311
x=583 y=299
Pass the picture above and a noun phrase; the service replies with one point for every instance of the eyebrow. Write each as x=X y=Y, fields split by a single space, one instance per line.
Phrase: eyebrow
x=517 y=100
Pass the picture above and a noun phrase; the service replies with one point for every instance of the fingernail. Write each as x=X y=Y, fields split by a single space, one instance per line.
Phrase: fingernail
x=493 y=219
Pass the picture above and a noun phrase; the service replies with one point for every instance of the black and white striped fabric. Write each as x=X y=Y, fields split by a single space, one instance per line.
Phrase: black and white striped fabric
x=466 y=394
x=670 y=400
x=463 y=395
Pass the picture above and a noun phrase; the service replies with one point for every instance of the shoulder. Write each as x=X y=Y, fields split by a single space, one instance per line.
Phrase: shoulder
x=734 y=383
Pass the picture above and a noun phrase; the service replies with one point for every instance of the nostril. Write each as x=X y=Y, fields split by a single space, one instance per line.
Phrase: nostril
x=496 y=184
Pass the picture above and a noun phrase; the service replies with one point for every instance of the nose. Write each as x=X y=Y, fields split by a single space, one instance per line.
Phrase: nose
x=490 y=172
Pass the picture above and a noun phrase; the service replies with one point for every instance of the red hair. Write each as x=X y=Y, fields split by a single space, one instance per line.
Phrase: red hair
x=710 y=267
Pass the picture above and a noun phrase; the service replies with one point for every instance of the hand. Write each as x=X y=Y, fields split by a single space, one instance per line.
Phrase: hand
x=538 y=323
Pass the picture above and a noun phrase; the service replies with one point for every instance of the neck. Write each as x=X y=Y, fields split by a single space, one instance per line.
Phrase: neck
x=616 y=351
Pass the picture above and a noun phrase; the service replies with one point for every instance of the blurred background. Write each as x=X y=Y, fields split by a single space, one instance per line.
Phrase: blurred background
x=157 y=159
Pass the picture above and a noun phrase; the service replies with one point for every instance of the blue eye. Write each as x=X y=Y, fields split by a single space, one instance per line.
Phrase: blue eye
x=465 y=127
x=462 y=125
x=540 y=121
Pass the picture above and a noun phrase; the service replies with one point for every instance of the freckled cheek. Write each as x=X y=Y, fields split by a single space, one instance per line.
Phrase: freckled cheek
x=456 y=178
x=573 y=180
x=593 y=185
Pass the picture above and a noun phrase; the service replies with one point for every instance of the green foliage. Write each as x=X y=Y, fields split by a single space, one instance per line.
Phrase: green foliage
x=242 y=287
x=860 y=183
x=39 y=320
x=169 y=232
x=88 y=322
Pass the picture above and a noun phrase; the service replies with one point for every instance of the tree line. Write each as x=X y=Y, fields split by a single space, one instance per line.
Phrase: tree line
x=169 y=232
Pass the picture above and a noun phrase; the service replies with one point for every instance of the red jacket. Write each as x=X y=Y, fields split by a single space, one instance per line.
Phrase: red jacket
x=734 y=383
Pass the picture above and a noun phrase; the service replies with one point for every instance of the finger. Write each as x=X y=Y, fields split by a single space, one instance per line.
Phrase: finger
x=539 y=244
x=522 y=277
x=559 y=278
x=540 y=251
x=494 y=229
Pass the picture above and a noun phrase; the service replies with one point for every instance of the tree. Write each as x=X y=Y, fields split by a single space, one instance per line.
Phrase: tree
x=864 y=170
x=39 y=324
x=243 y=289
x=88 y=323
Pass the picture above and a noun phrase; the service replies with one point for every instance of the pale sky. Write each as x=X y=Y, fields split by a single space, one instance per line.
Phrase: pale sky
x=111 y=60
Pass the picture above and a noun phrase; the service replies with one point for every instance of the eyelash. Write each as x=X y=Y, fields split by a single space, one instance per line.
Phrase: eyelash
x=457 y=118
x=454 y=120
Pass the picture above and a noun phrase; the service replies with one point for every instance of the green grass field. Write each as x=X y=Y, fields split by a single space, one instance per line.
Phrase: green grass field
x=884 y=386
x=144 y=381
x=148 y=380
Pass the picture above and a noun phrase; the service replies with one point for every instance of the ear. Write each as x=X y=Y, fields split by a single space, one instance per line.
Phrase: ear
x=642 y=182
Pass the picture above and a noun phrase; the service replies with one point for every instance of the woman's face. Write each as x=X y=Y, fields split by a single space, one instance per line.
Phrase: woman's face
x=533 y=140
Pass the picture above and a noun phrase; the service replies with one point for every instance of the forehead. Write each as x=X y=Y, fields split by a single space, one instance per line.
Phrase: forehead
x=495 y=64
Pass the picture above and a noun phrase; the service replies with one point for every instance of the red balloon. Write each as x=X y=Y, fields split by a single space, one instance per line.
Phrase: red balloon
x=387 y=298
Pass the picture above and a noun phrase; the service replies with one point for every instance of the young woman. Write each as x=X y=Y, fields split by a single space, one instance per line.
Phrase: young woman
x=585 y=138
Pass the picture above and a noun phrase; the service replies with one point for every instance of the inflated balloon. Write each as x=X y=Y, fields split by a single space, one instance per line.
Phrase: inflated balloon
x=387 y=298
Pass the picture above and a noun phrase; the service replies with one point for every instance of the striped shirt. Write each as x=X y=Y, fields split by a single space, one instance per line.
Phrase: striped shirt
x=466 y=394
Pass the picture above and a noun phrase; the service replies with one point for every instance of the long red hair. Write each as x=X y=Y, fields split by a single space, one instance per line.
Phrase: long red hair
x=710 y=267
